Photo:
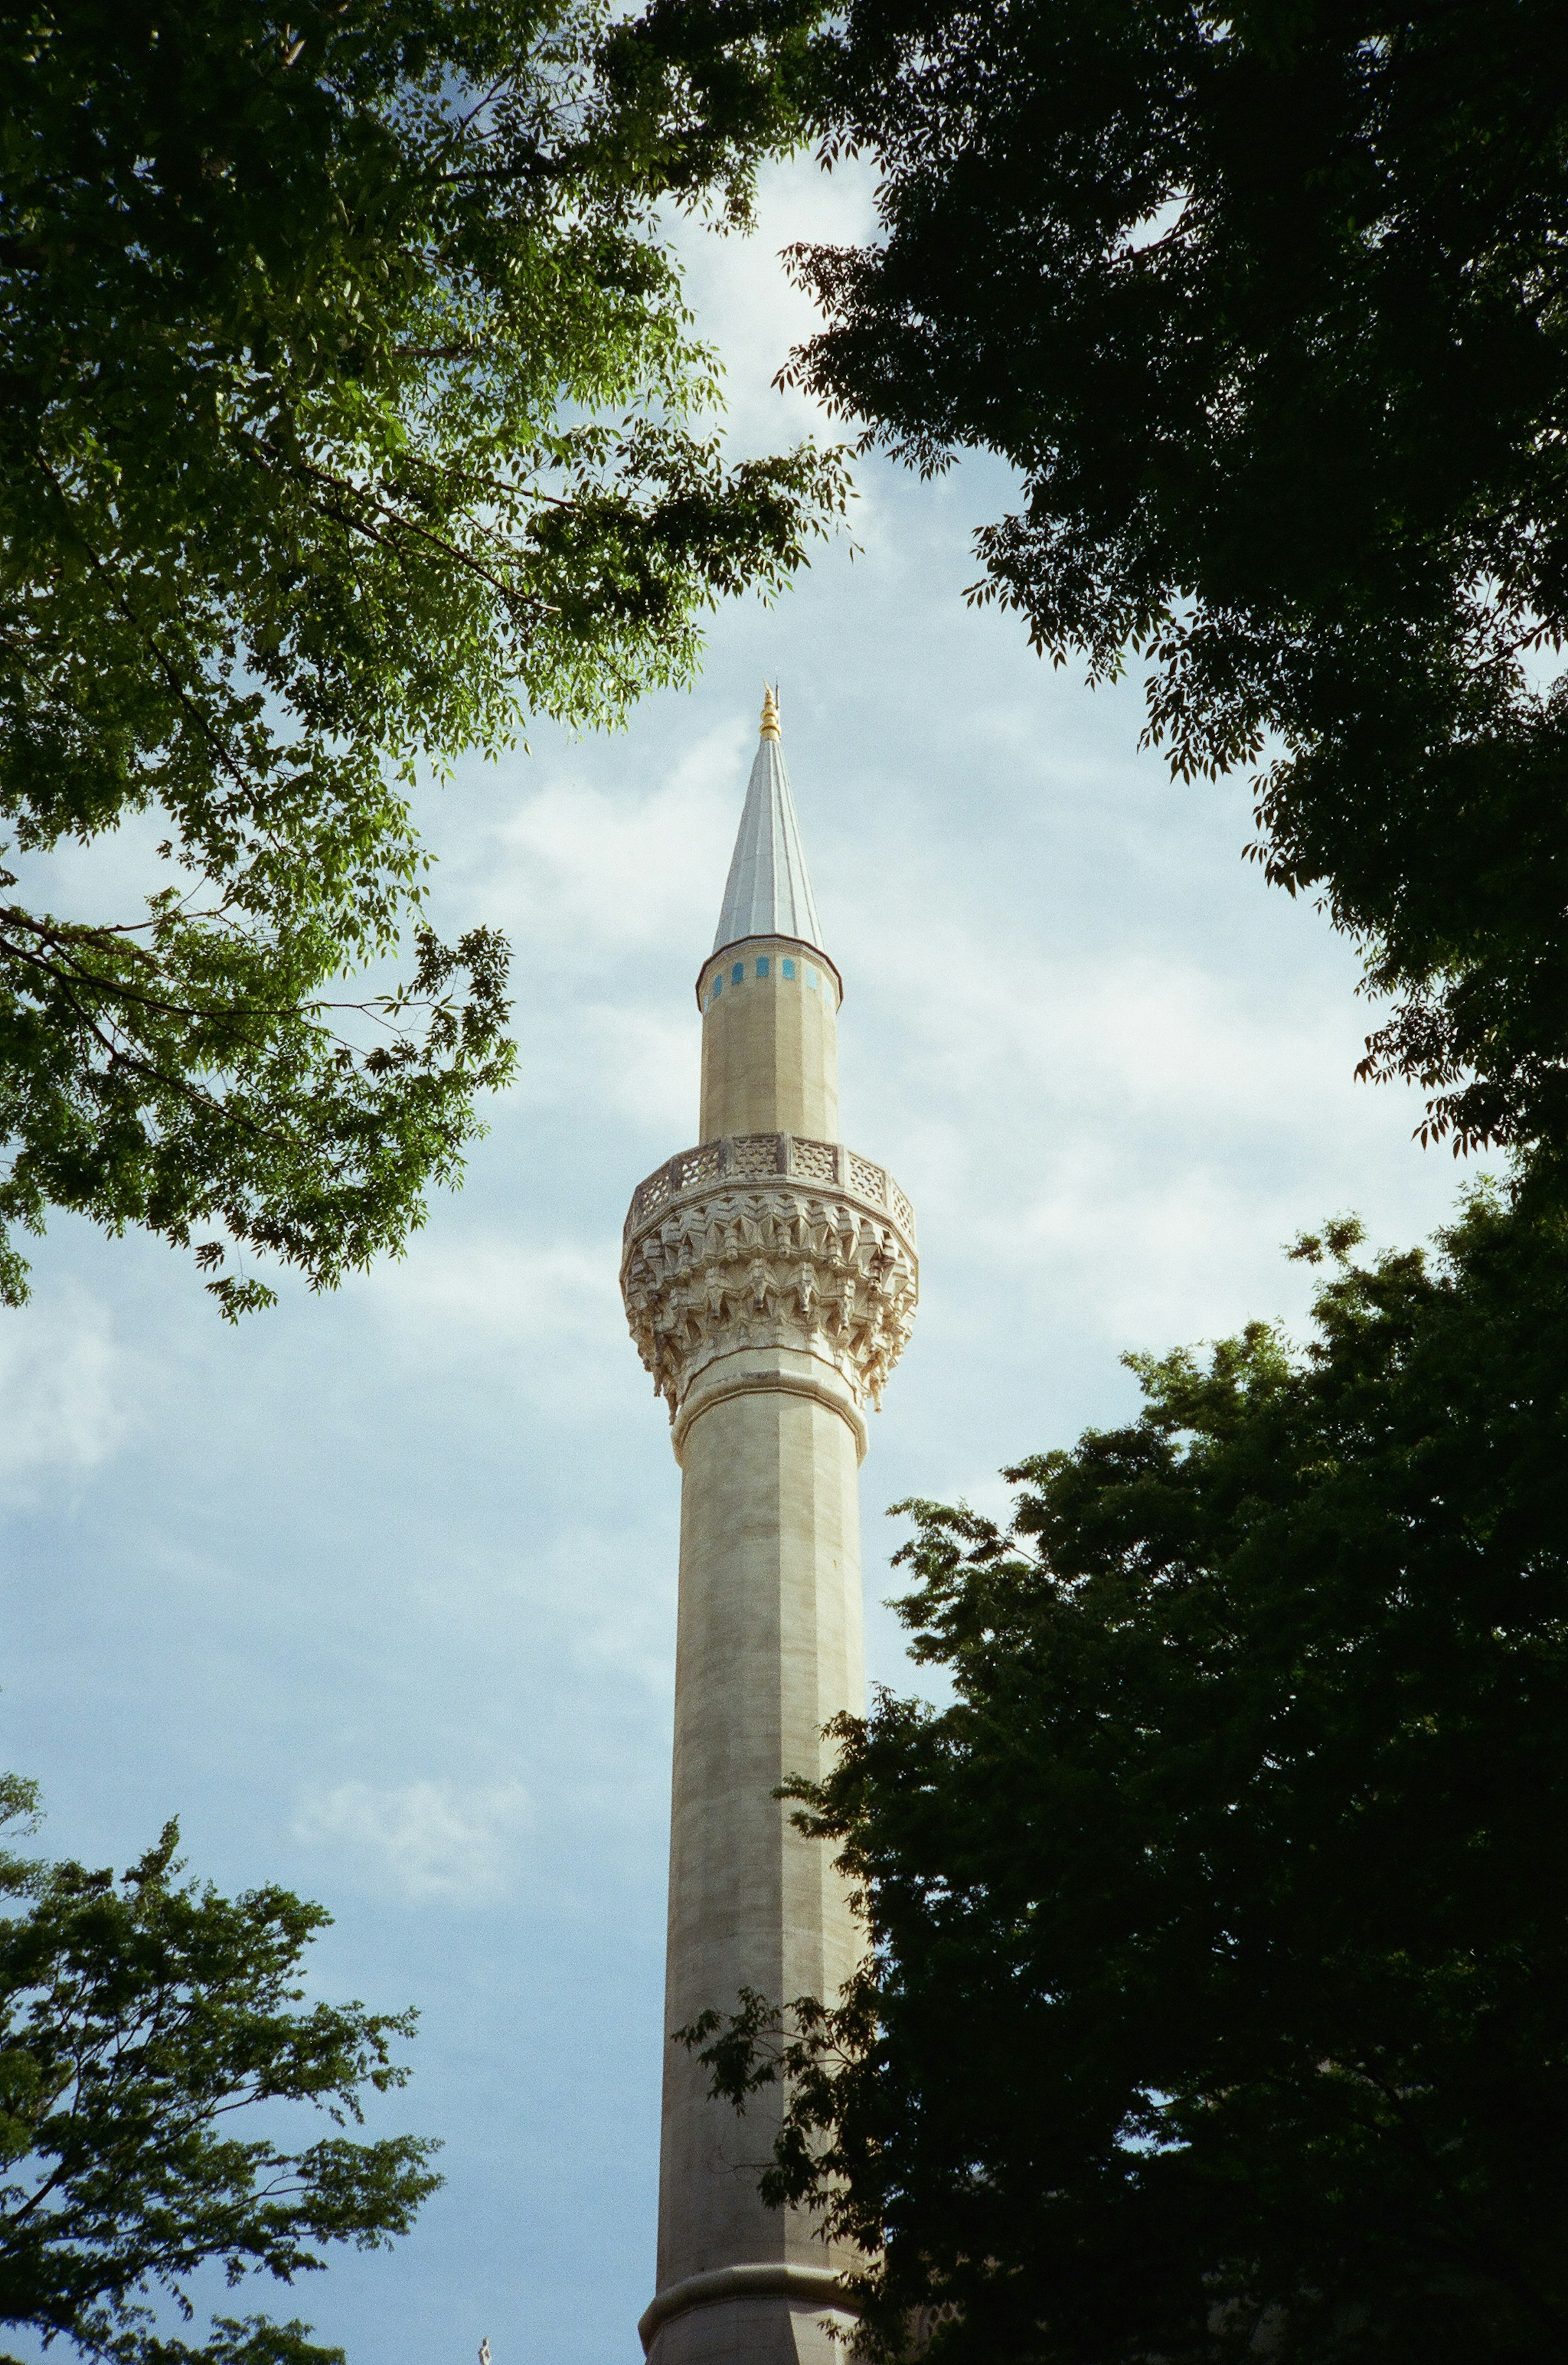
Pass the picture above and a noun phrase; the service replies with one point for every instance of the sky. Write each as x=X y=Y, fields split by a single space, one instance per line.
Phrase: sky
x=376 y=1592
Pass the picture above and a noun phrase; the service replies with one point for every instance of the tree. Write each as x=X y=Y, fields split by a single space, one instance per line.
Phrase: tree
x=137 y=2018
x=1220 y=1925
x=350 y=414
x=1268 y=306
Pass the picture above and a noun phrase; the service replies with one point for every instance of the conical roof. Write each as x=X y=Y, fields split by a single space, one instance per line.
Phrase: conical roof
x=769 y=893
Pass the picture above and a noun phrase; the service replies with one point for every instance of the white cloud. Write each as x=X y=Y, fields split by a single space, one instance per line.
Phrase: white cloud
x=64 y=1392
x=742 y=283
x=555 y=1311
x=579 y=869
x=645 y=1065
x=423 y=1839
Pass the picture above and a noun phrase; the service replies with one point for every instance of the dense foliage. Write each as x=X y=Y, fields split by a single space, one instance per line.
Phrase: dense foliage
x=1219 y=2003
x=136 y=2017
x=1268 y=306
x=347 y=416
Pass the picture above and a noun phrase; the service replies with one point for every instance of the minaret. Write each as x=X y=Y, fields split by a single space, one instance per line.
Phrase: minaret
x=770 y=1277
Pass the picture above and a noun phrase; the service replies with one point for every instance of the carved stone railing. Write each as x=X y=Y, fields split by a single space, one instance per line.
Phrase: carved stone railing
x=747 y=1157
x=769 y=1240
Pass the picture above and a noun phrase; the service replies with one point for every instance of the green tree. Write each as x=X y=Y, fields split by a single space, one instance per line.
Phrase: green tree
x=1267 y=304
x=137 y=2018
x=1218 y=2003
x=350 y=414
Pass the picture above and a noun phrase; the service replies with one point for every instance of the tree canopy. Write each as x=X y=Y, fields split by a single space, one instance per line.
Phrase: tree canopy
x=350 y=414
x=1268 y=306
x=138 y=2018
x=1220 y=1923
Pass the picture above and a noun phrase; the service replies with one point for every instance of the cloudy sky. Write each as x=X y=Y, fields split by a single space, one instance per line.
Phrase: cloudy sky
x=378 y=1592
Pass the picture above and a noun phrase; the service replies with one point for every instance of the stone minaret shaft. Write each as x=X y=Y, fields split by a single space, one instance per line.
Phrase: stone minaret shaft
x=770 y=1279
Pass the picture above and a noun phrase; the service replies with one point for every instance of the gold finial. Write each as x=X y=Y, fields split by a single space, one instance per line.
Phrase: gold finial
x=770 y=713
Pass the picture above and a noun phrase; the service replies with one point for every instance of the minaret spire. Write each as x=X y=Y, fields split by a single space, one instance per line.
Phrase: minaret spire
x=768 y=893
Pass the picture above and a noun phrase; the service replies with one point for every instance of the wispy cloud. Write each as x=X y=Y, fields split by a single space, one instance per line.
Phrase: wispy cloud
x=550 y=1318
x=64 y=1392
x=423 y=1839
x=580 y=867
x=746 y=284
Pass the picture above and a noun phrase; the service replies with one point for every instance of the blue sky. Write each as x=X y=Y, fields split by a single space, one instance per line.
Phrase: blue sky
x=378 y=1592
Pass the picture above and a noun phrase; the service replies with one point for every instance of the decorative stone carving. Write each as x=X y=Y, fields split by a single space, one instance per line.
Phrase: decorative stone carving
x=763 y=1240
x=746 y=1155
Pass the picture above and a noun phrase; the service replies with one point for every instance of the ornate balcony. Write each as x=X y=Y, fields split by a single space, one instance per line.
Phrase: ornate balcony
x=768 y=1240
